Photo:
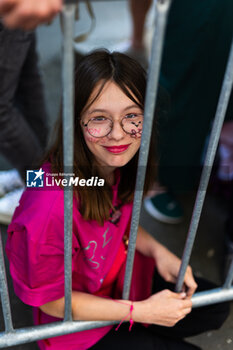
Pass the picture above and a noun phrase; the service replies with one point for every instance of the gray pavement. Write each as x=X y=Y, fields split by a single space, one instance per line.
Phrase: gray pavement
x=112 y=27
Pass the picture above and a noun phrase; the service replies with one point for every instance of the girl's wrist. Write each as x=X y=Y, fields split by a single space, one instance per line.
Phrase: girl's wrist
x=129 y=316
x=139 y=311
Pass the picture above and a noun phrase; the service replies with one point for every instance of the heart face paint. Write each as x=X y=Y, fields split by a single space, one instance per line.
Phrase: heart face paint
x=136 y=135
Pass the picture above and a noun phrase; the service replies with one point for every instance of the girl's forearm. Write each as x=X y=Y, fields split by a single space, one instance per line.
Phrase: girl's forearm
x=88 y=307
x=148 y=245
x=164 y=308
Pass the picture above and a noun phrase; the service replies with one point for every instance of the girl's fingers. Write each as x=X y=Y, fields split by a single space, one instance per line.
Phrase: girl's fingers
x=6 y=6
x=187 y=311
x=189 y=282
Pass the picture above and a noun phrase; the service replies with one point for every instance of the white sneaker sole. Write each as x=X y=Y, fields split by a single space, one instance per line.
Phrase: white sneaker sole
x=158 y=215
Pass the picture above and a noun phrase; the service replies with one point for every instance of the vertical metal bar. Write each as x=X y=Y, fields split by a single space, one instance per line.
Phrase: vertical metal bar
x=208 y=164
x=229 y=279
x=151 y=93
x=68 y=146
x=4 y=292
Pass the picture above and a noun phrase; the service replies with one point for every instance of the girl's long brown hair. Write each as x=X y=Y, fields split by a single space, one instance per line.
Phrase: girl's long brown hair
x=95 y=203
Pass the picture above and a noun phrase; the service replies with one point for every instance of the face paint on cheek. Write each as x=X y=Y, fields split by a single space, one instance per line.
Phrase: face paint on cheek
x=136 y=135
x=101 y=140
x=94 y=131
x=92 y=139
x=88 y=137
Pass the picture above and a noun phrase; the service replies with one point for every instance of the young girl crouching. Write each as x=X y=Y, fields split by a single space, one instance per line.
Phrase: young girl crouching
x=109 y=104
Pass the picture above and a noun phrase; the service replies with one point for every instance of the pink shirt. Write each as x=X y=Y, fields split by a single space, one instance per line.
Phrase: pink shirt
x=35 y=249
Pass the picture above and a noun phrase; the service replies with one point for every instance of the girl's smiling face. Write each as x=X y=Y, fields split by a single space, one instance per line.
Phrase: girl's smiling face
x=117 y=148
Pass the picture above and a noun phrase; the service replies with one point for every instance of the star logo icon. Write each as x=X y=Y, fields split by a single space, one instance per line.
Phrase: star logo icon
x=35 y=178
x=38 y=174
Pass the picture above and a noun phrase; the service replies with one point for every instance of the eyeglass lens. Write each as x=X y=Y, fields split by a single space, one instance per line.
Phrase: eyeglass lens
x=100 y=127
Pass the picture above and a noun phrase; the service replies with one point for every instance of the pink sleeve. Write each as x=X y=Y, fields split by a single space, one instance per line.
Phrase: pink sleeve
x=37 y=262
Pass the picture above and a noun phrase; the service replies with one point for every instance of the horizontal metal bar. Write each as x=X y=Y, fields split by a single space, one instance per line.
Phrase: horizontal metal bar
x=213 y=296
x=207 y=168
x=31 y=334
x=151 y=93
x=4 y=292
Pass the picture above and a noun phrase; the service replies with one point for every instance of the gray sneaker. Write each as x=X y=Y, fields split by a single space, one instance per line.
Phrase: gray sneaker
x=8 y=203
x=9 y=180
x=165 y=208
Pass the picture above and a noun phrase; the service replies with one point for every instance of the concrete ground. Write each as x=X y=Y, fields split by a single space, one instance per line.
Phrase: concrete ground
x=112 y=27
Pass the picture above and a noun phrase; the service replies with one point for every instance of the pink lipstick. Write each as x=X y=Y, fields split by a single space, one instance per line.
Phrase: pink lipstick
x=117 y=149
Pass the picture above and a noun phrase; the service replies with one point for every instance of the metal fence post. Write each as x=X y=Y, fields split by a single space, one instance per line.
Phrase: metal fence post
x=4 y=292
x=208 y=164
x=151 y=93
x=68 y=145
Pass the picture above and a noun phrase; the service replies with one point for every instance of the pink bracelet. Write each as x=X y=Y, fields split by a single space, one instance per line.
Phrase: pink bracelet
x=129 y=314
x=131 y=321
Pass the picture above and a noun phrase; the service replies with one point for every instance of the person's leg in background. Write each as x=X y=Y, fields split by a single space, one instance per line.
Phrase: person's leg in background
x=138 y=10
x=30 y=97
x=18 y=141
x=135 y=47
x=194 y=85
x=194 y=46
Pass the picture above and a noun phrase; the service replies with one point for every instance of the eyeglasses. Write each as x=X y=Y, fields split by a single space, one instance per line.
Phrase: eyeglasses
x=101 y=126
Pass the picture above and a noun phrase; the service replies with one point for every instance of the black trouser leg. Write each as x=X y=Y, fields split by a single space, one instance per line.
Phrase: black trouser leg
x=20 y=95
x=139 y=338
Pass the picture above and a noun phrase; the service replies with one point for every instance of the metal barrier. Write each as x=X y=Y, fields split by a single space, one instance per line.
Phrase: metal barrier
x=13 y=336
